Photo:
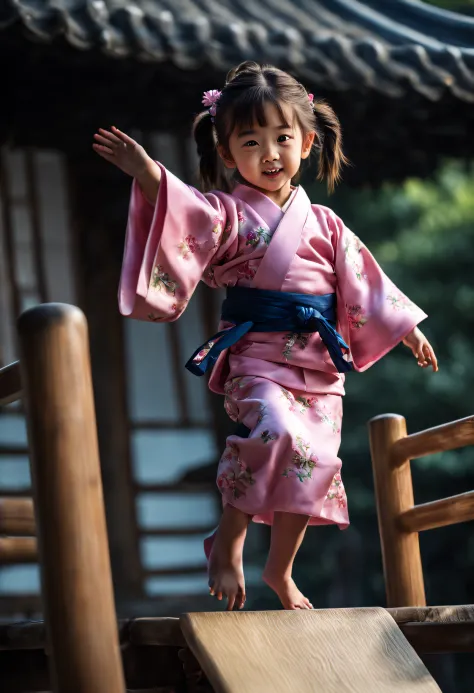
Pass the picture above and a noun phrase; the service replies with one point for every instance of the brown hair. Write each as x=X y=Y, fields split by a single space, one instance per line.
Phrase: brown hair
x=247 y=89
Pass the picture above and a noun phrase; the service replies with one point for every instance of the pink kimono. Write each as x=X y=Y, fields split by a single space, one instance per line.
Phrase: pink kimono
x=283 y=387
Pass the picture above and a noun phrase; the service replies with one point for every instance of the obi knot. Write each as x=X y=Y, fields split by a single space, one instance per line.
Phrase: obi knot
x=260 y=310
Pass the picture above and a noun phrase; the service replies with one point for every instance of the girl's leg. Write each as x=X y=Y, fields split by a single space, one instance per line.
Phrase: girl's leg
x=226 y=575
x=288 y=531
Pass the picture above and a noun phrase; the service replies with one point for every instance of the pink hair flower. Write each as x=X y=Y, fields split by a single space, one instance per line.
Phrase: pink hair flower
x=311 y=97
x=211 y=97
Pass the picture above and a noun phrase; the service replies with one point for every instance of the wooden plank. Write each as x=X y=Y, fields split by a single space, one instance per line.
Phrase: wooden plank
x=177 y=570
x=24 y=605
x=458 y=613
x=173 y=531
x=16 y=492
x=439 y=638
x=156 y=632
x=439 y=513
x=449 y=436
x=14 y=450
x=173 y=425
x=456 y=634
x=18 y=550
x=180 y=488
x=402 y=567
x=17 y=517
x=10 y=383
x=437 y=629
x=332 y=650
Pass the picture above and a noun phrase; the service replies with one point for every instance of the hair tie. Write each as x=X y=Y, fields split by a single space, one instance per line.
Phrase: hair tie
x=210 y=99
x=311 y=98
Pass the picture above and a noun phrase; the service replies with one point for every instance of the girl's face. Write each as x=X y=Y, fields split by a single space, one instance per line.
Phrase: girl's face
x=268 y=157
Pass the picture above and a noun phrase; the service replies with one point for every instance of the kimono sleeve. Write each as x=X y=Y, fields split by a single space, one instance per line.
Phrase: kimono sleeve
x=169 y=245
x=373 y=314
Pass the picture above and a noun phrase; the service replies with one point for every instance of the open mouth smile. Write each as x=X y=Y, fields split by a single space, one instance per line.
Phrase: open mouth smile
x=273 y=172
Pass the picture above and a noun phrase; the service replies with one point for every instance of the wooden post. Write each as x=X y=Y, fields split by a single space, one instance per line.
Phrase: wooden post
x=75 y=568
x=394 y=493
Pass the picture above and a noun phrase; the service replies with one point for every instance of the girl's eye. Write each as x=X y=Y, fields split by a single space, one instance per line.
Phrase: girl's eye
x=250 y=143
x=283 y=138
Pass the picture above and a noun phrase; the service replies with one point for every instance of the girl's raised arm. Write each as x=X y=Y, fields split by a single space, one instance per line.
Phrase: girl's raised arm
x=120 y=149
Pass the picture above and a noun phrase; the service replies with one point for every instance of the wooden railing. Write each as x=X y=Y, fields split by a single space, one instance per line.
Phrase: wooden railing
x=54 y=377
x=10 y=383
x=400 y=520
x=19 y=546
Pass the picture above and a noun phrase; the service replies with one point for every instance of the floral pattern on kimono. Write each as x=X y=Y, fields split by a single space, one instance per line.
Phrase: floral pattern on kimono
x=337 y=491
x=289 y=462
x=292 y=339
x=238 y=478
x=303 y=461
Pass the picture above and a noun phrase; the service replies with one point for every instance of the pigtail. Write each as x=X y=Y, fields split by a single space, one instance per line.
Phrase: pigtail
x=332 y=157
x=211 y=170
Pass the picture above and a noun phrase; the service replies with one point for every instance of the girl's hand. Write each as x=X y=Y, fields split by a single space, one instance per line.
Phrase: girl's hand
x=421 y=348
x=121 y=150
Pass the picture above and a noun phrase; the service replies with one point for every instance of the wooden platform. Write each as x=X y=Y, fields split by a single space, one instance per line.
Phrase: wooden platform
x=155 y=652
x=327 y=651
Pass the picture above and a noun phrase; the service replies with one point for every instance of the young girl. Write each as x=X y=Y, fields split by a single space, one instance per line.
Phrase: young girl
x=294 y=274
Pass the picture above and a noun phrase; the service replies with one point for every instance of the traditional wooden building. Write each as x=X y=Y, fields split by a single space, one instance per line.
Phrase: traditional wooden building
x=400 y=75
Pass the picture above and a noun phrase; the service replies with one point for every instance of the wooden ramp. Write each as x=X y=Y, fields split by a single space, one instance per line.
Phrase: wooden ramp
x=323 y=651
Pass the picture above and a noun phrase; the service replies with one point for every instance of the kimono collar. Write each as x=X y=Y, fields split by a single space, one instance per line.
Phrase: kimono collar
x=263 y=205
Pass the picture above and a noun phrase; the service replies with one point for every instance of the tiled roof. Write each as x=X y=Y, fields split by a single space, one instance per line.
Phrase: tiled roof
x=392 y=47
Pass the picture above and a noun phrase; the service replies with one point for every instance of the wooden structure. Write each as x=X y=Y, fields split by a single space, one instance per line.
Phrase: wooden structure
x=77 y=648
x=396 y=72
x=62 y=221
x=75 y=568
x=400 y=520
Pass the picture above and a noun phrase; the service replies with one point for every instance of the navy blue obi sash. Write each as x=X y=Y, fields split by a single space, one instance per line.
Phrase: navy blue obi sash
x=260 y=310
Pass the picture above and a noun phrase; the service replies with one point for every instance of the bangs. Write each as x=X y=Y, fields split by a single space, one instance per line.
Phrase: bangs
x=249 y=108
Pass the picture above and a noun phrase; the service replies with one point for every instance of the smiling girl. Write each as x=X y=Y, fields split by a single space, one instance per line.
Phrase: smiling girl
x=306 y=303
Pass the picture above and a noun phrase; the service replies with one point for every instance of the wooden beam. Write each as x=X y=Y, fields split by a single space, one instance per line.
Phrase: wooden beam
x=14 y=450
x=172 y=425
x=16 y=492
x=439 y=513
x=175 y=488
x=439 y=638
x=175 y=531
x=457 y=613
x=17 y=517
x=449 y=436
x=177 y=570
x=75 y=568
x=431 y=629
x=402 y=567
x=10 y=383
x=18 y=550
x=156 y=631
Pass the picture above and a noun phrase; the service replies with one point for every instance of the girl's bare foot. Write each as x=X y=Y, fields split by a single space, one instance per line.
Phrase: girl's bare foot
x=287 y=591
x=226 y=575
